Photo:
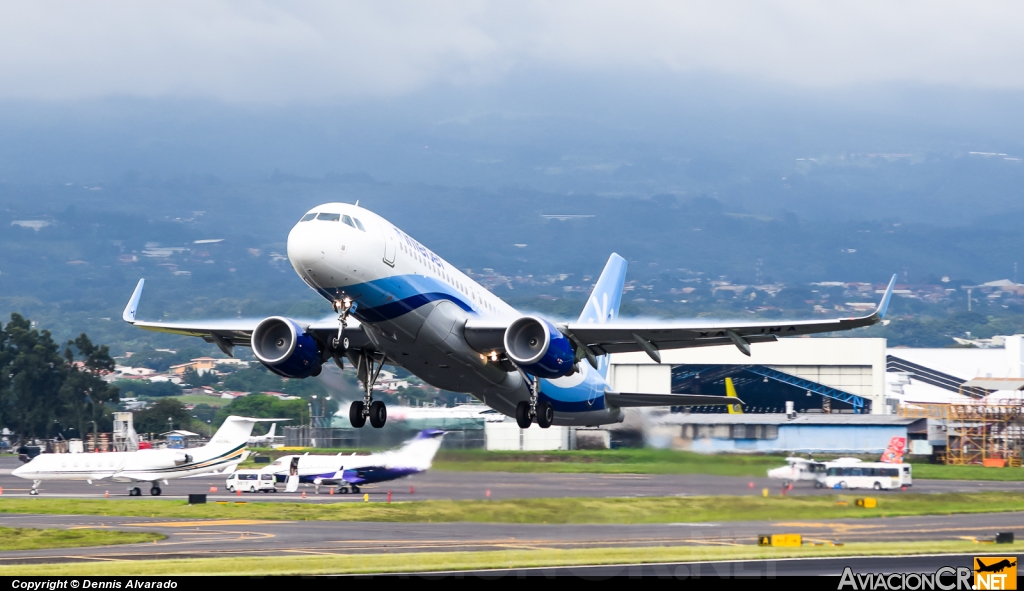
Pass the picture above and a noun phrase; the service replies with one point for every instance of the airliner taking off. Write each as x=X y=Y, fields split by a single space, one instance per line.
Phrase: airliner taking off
x=399 y=303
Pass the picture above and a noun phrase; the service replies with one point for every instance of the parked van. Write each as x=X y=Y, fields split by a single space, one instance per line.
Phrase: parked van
x=251 y=481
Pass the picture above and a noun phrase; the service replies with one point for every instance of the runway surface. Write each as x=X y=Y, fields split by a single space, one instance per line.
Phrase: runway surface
x=239 y=537
x=435 y=485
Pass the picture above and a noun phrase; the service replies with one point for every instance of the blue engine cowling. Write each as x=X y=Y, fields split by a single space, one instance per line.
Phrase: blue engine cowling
x=285 y=348
x=539 y=348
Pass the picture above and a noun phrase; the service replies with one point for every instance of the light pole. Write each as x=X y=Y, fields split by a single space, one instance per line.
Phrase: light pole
x=170 y=424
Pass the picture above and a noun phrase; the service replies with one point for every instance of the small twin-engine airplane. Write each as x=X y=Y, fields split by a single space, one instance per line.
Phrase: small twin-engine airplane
x=399 y=303
x=225 y=450
x=351 y=472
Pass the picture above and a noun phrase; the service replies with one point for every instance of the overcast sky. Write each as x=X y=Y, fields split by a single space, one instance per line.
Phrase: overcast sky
x=312 y=51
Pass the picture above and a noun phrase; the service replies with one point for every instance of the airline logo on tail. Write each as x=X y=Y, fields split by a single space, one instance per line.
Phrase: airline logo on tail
x=730 y=391
x=894 y=453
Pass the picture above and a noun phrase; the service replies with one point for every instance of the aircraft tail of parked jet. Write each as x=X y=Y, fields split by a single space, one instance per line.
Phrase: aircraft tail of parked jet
x=730 y=392
x=894 y=453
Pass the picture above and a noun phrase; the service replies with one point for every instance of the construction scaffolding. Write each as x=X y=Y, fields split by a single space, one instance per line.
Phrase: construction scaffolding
x=976 y=432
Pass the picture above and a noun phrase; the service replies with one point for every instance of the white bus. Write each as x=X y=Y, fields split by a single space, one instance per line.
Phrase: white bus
x=876 y=475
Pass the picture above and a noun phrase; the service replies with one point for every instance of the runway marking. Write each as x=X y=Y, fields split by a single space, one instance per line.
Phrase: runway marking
x=206 y=523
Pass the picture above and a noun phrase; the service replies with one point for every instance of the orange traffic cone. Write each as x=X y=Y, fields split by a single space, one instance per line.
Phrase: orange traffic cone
x=332 y=490
x=412 y=490
x=238 y=491
x=303 y=494
x=213 y=489
x=106 y=494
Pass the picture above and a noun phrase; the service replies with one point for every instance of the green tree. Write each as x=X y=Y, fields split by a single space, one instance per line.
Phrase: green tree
x=155 y=418
x=264 y=407
x=35 y=373
x=84 y=393
x=195 y=379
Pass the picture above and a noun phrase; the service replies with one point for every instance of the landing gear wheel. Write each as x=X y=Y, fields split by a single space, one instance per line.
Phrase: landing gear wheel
x=523 y=415
x=135 y=492
x=343 y=490
x=355 y=489
x=545 y=414
x=33 y=492
x=378 y=414
x=155 y=491
x=355 y=414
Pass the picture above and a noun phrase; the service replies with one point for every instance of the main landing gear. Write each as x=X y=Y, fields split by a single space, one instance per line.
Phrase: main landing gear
x=155 y=491
x=368 y=369
x=135 y=492
x=35 y=487
x=534 y=409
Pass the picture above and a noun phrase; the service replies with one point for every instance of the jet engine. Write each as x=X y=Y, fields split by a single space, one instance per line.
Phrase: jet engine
x=285 y=348
x=538 y=347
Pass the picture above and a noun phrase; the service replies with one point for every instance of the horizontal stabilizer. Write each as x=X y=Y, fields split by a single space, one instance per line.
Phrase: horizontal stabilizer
x=624 y=399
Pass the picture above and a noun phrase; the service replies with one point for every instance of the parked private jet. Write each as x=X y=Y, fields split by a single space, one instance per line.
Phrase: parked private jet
x=225 y=450
x=351 y=472
x=399 y=303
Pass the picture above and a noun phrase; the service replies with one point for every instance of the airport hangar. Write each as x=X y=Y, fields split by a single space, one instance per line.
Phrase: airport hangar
x=840 y=395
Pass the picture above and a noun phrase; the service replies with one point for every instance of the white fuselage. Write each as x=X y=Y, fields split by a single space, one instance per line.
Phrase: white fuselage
x=148 y=465
x=413 y=305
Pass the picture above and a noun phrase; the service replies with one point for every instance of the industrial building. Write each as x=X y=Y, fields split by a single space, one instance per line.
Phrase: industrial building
x=780 y=433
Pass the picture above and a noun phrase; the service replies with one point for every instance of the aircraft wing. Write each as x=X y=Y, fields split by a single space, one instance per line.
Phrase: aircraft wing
x=229 y=333
x=626 y=399
x=650 y=337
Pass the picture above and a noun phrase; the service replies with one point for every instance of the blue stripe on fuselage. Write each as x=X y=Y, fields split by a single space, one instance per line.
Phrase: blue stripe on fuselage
x=392 y=297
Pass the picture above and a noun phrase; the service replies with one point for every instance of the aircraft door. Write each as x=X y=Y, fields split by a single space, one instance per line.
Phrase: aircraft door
x=389 y=245
x=293 y=470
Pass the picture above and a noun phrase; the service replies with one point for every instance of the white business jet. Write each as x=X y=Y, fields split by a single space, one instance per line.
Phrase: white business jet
x=352 y=471
x=398 y=303
x=225 y=451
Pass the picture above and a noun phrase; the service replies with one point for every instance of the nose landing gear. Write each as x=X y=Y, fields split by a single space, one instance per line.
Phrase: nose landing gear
x=367 y=370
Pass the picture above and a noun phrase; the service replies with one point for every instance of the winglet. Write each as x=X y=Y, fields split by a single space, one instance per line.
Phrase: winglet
x=133 y=303
x=884 y=304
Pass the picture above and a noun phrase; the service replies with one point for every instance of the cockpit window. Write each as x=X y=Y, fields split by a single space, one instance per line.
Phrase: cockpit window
x=329 y=217
x=359 y=224
x=347 y=220
x=308 y=217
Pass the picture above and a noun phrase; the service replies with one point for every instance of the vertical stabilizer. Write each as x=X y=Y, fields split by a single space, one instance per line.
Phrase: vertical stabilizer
x=235 y=431
x=603 y=305
x=894 y=453
x=419 y=452
x=270 y=434
x=730 y=391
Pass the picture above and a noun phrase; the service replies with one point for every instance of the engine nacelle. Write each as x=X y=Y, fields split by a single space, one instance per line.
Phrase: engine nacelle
x=285 y=348
x=539 y=348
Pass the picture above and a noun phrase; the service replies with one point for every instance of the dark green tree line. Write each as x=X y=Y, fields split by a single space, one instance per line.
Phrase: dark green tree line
x=44 y=393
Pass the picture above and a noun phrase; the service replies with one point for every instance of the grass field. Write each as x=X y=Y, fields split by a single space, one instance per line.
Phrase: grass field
x=12 y=538
x=435 y=561
x=553 y=511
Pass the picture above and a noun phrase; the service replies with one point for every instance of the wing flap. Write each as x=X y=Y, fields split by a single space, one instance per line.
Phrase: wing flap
x=627 y=399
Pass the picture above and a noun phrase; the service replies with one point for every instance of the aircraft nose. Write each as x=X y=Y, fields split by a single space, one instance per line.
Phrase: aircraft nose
x=305 y=247
x=20 y=471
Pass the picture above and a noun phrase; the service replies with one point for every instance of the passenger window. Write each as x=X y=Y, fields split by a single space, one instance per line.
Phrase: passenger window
x=308 y=217
x=359 y=225
x=347 y=221
x=329 y=217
